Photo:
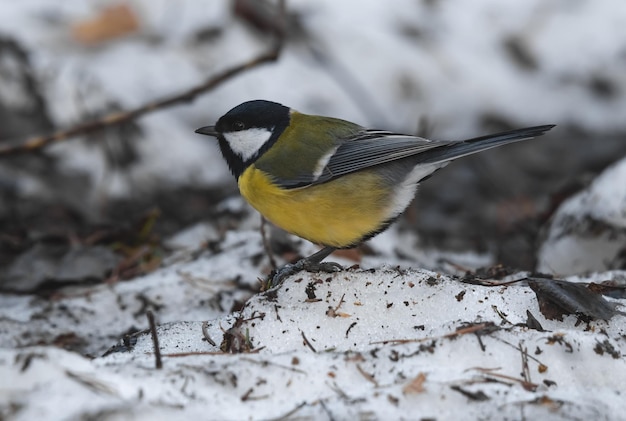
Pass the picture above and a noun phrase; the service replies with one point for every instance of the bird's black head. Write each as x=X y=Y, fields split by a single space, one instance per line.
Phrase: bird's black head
x=247 y=131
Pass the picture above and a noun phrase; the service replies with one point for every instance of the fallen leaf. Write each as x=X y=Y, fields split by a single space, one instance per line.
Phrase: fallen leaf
x=558 y=298
x=416 y=385
x=112 y=22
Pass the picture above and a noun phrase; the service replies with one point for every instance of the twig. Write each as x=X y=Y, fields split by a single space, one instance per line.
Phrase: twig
x=205 y=333
x=476 y=329
x=330 y=415
x=306 y=341
x=368 y=376
x=530 y=386
x=248 y=396
x=501 y=314
x=117 y=118
x=474 y=396
x=528 y=356
x=266 y=244
x=196 y=281
x=350 y=328
x=95 y=385
x=276 y=307
x=525 y=369
x=333 y=312
x=195 y=353
x=155 y=340
x=290 y=413
x=335 y=388
x=265 y=363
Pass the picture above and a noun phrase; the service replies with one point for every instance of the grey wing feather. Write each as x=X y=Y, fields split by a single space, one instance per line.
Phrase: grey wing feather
x=369 y=151
x=371 y=148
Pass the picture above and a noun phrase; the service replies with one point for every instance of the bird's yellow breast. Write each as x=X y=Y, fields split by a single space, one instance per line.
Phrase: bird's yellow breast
x=339 y=213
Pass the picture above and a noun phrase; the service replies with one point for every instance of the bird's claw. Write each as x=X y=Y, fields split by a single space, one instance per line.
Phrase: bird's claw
x=328 y=267
x=291 y=269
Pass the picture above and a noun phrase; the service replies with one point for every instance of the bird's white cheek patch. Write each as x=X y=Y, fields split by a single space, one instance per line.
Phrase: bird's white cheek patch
x=246 y=143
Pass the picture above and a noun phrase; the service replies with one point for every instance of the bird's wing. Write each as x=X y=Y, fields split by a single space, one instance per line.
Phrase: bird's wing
x=370 y=148
x=357 y=151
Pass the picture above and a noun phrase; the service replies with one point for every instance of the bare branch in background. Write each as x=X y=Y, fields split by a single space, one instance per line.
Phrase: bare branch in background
x=117 y=118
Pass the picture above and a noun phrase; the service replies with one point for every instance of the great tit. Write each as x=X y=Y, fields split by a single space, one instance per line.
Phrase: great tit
x=331 y=181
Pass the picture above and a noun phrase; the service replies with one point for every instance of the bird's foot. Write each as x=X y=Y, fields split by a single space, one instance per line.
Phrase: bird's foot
x=286 y=271
x=328 y=267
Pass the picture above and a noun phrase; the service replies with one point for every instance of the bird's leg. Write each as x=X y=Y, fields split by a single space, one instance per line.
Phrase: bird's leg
x=312 y=263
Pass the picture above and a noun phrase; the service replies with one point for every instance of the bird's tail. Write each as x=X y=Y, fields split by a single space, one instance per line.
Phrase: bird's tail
x=455 y=150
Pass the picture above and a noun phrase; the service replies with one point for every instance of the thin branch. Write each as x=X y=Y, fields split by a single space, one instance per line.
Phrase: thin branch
x=155 y=340
x=526 y=384
x=117 y=118
x=369 y=377
x=307 y=343
x=266 y=244
x=478 y=328
x=288 y=415
x=205 y=333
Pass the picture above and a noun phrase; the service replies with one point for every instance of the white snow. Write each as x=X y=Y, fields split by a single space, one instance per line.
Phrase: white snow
x=371 y=334
x=588 y=231
x=353 y=365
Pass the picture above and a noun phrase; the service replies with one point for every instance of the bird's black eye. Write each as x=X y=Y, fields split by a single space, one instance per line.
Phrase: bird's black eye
x=238 y=125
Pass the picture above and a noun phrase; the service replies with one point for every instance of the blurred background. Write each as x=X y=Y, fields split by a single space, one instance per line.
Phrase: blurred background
x=102 y=206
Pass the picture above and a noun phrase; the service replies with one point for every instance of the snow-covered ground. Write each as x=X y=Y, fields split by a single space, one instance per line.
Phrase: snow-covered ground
x=387 y=343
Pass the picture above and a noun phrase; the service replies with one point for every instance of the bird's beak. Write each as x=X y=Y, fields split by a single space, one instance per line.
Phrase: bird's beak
x=208 y=130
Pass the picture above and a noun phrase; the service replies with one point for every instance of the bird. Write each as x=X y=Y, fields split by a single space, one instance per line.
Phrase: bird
x=328 y=180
